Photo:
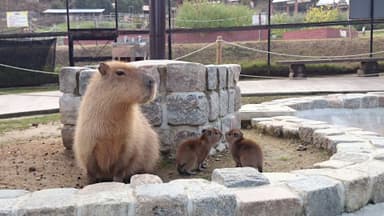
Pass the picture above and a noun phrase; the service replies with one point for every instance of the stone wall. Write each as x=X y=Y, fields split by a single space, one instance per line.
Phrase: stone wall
x=190 y=97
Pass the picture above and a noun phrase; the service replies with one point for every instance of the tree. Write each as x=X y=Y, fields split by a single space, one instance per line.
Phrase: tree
x=322 y=14
x=130 y=6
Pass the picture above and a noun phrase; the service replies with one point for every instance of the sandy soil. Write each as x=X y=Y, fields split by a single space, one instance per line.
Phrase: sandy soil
x=35 y=159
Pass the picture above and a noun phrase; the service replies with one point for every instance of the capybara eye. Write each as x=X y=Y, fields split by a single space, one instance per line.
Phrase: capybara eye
x=235 y=135
x=120 y=73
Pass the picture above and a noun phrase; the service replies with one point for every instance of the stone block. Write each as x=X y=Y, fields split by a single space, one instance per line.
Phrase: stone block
x=333 y=164
x=68 y=79
x=320 y=195
x=186 y=77
x=222 y=70
x=109 y=198
x=143 y=179
x=268 y=200
x=235 y=71
x=306 y=132
x=353 y=101
x=9 y=199
x=357 y=147
x=213 y=101
x=375 y=171
x=369 y=210
x=377 y=142
x=250 y=111
x=212 y=77
x=333 y=141
x=223 y=105
x=278 y=178
x=207 y=198
x=229 y=122
x=319 y=103
x=335 y=101
x=84 y=78
x=239 y=177
x=166 y=143
x=58 y=201
x=231 y=100
x=356 y=185
x=153 y=112
x=350 y=157
x=69 y=106
x=68 y=135
x=237 y=98
x=369 y=101
x=161 y=199
x=187 y=108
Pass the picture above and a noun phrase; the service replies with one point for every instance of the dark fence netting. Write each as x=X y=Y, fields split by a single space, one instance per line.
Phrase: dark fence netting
x=19 y=59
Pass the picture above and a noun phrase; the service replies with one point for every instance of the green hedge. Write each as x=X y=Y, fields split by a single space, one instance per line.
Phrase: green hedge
x=13 y=78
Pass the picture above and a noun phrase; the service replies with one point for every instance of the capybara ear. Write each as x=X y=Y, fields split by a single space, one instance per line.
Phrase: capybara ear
x=103 y=68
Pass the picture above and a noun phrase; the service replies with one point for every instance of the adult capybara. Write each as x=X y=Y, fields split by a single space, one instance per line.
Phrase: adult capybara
x=191 y=153
x=244 y=151
x=113 y=139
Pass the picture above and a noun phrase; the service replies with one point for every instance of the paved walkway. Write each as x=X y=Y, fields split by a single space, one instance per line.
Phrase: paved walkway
x=345 y=84
x=13 y=105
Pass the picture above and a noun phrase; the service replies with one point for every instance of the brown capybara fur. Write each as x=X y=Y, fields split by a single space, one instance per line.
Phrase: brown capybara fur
x=113 y=139
x=245 y=152
x=190 y=154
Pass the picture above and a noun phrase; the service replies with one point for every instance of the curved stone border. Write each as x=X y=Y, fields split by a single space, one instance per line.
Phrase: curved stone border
x=353 y=177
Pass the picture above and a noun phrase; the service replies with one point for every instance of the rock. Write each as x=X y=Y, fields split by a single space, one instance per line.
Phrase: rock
x=68 y=79
x=186 y=77
x=69 y=106
x=239 y=177
x=212 y=77
x=213 y=102
x=187 y=108
x=222 y=69
x=84 y=77
x=143 y=179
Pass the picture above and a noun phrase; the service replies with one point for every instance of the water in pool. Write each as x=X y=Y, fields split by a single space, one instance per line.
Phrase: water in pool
x=371 y=119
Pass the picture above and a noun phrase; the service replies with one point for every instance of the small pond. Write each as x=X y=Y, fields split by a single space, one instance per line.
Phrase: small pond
x=370 y=119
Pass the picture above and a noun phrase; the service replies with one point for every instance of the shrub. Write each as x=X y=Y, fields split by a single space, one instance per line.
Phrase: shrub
x=322 y=14
x=203 y=14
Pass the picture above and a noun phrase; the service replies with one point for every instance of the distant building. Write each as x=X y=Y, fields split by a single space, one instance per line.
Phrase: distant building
x=292 y=6
x=59 y=15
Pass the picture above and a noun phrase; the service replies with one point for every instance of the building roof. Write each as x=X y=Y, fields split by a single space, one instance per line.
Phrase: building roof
x=329 y=2
x=73 y=11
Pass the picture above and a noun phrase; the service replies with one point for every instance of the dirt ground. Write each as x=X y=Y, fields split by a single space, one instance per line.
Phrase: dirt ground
x=35 y=159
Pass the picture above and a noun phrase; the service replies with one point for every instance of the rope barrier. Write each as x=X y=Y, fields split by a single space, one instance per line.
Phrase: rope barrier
x=26 y=69
x=196 y=51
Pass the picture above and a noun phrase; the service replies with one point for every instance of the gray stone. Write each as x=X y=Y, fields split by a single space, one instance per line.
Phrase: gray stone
x=239 y=177
x=350 y=157
x=231 y=100
x=319 y=103
x=278 y=178
x=68 y=135
x=306 y=132
x=321 y=195
x=250 y=111
x=333 y=164
x=378 y=155
x=212 y=77
x=161 y=199
x=353 y=101
x=356 y=185
x=143 y=179
x=69 y=106
x=9 y=199
x=223 y=105
x=230 y=77
x=378 y=142
x=235 y=69
x=48 y=202
x=108 y=198
x=222 y=76
x=84 y=77
x=153 y=112
x=166 y=142
x=68 y=79
x=207 y=198
x=369 y=101
x=335 y=101
x=187 y=108
x=375 y=171
x=186 y=77
x=268 y=200
x=369 y=210
x=333 y=141
x=237 y=98
x=213 y=101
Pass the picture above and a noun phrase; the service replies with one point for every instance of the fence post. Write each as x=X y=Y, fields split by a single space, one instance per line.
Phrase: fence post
x=219 y=49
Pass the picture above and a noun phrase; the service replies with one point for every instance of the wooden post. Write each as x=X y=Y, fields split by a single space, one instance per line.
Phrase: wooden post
x=219 y=49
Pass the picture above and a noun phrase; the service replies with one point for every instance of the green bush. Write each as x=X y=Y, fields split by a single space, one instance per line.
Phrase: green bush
x=210 y=15
x=284 y=18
